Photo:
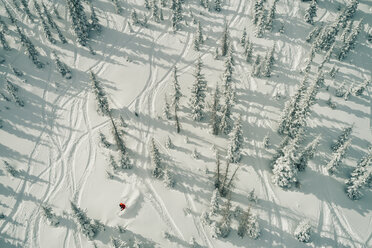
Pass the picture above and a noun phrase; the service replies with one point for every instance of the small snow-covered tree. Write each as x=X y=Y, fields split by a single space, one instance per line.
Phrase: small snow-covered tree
x=258 y=9
x=45 y=26
x=243 y=223
x=125 y=162
x=134 y=17
x=215 y=108
x=244 y=37
x=3 y=41
x=61 y=67
x=10 y=169
x=326 y=37
x=168 y=143
x=53 y=24
x=310 y=12
x=176 y=96
x=359 y=178
x=342 y=138
x=156 y=160
x=306 y=154
x=103 y=140
x=155 y=11
x=113 y=163
x=261 y=24
x=337 y=157
x=94 y=21
x=197 y=100
x=31 y=51
x=217 y=5
x=12 y=90
x=86 y=225
x=361 y=88
x=215 y=203
x=168 y=178
x=236 y=142
x=248 y=51
x=253 y=227
x=226 y=122
x=256 y=69
x=271 y=16
x=166 y=109
x=268 y=63
x=225 y=41
x=349 y=42
x=49 y=215
x=303 y=231
x=103 y=106
x=80 y=23
x=314 y=33
x=223 y=227
x=266 y=141
x=118 y=243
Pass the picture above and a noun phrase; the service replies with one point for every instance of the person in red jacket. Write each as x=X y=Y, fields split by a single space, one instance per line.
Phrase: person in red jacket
x=122 y=206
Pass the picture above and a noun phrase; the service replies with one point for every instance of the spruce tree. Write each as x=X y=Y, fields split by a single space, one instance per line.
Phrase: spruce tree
x=103 y=106
x=134 y=17
x=326 y=37
x=53 y=24
x=350 y=41
x=223 y=227
x=197 y=100
x=94 y=21
x=61 y=67
x=80 y=24
x=11 y=170
x=359 y=178
x=310 y=12
x=168 y=178
x=314 y=33
x=337 y=157
x=118 y=9
x=361 y=88
x=261 y=24
x=258 y=10
x=49 y=215
x=215 y=118
x=31 y=51
x=268 y=63
x=3 y=41
x=26 y=9
x=45 y=26
x=342 y=138
x=303 y=231
x=256 y=69
x=217 y=5
x=226 y=121
x=243 y=223
x=12 y=19
x=248 y=51
x=244 y=37
x=306 y=154
x=156 y=160
x=253 y=228
x=155 y=11
x=215 y=203
x=86 y=225
x=271 y=16
x=125 y=162
x=236 y=142
x=225 y=41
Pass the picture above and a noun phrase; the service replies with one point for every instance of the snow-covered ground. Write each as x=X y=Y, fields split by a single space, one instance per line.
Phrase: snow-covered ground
x=54 y=139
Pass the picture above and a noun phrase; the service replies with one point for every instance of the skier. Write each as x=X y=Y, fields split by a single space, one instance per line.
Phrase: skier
x=122 y=206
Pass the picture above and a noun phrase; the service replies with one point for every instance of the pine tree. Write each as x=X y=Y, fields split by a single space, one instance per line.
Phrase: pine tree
x=166 y=109
x=326 y=37
x=268 y=63
x=243 y=223
x=103 y=140
x=347 y=31
x=45 y=26
x=303 y=231
x=177 y=122
x=103 y=106
x=94 y=21
x=342 y=138
x=3 y=41
x=217 y=5
x=10 y=169
x=26 y=9
x=284 y=169
x=87 y=226
x=248 y=51
x=350 y=41
x=360 y=89
x=12 y=90
x=226 y=121
x=215 y=118
x=271 y=16
x=314 y=33
x=256 y=70
x=155 y=11
x=261 y=24
x=223 y=227
x=113 y=163
x=53 y=24
x=168 y=179
x=310 y=12
x=236 y=141
x=156 y=160
x=31 y=51
x=217 y=176
x=306 y=154
x=359 y=178
x=215 y=203
x=347 y=13
x=80 y=24
x=198 y=40
x=244 y=37
x=258 y=10
x=225 y=41
x=61 y=67
x=337 y=157
x=197 y=100
x=253 y=228
x=134 y=17
x=49 y=215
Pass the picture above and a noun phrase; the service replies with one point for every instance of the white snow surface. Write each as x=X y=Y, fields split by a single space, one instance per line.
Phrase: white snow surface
x=54 y=140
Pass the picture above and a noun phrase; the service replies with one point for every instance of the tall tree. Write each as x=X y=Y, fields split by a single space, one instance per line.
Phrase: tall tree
x=236 y=141
x=310 y=12
x=197 y=100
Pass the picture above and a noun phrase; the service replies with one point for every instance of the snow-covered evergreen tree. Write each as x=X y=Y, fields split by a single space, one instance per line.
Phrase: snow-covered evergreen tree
x=310 y=12
x=303 y=231
x=61 y=67
x=31 y=51
x=80 y=24
x=176 y=96
x=156 y=160
x=168 y=143
x=49 y=215
x=347 y=13
x=258 y=10
x=337 y=157
x=225 y=41
x=248 y=51
x=118 y=243
x=268 y=63
x=10 y=169
x=3 y=41
x=125 y=162
x=102 y=102
x=94 y=21
x=266 y=141
x=236 y=142
x=361 y=88
x=217 y=5
x=53 y=24
x=134 y=17
x=177 y=122
x=13 y=91
x=314 y=33
x=197 y=100
x=27 y=9
x=306 y=154
x=166 y=109
x=86 y=225
x=252 y=197
x=244 y=37
x=215 y=203
x=103 y=140
x=118 y=9
x=215 y=108
x=168 y=178
x=113 y=163
x=155 y=14
x=326 y=37
x=271 y=16
x=226 y=120
x=342 y=138
x=359 y=178
x=253 y=227
x=349 y=42
x=261 y=24
x=243 y=223
x=45 y=26
x=223 y=227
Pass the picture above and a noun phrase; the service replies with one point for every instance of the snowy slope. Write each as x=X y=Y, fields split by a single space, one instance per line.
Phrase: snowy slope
x=54 y=139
